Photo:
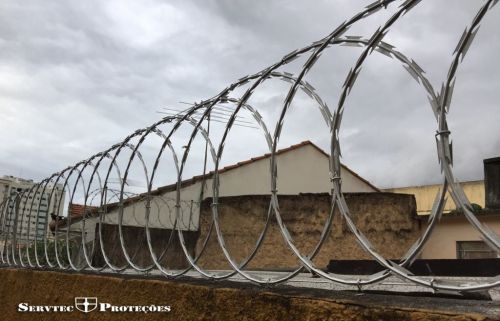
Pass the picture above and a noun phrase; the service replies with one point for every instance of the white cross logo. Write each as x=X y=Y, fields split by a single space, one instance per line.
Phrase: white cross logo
x=85 y=304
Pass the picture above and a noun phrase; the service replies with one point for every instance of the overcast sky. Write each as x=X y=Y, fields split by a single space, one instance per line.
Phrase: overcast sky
x=78 y=76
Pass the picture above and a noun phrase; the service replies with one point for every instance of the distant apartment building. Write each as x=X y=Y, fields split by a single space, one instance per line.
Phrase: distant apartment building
x=24 y=203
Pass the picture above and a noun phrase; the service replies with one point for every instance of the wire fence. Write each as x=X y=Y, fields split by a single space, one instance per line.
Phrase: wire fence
x=104 y=185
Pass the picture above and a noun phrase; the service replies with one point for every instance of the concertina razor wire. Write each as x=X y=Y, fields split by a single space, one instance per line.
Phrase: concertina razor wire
x=98 y=196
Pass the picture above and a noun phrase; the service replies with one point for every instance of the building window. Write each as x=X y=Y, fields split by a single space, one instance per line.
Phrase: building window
x=474 y=250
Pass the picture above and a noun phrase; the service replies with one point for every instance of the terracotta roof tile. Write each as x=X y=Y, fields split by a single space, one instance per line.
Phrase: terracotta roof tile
x=76 y=212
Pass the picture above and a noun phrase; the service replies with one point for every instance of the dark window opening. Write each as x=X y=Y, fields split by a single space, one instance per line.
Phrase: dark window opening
x=474 y=250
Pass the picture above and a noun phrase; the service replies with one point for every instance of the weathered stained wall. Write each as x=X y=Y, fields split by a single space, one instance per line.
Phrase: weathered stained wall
x=137 y=248
x=211 y=301
x=388 y=220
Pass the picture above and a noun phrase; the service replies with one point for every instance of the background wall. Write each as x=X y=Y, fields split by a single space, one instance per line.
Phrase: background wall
x=388 y=220
x=218 y=301
x=425 y=195
x=443 y=242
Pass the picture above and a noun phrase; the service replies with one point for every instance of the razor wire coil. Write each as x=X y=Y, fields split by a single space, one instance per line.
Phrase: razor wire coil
x=12 y=255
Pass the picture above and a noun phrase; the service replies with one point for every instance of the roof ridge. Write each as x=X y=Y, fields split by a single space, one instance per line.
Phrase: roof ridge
x=266 y=155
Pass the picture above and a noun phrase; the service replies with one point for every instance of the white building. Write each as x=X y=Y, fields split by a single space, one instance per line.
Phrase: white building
x=26 y=207
x=302 y=168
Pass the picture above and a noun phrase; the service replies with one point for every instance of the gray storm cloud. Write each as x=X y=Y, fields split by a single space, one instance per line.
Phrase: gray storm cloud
x=77 y=77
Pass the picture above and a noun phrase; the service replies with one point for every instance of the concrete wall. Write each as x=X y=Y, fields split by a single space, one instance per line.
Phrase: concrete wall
x=443 y=242
x=387 y=219
x=218 y=301
x=137 y=248
x=425 y=195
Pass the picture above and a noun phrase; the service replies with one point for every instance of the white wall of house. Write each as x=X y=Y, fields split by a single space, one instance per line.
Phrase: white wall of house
x=302 y=169
x=450 y=230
